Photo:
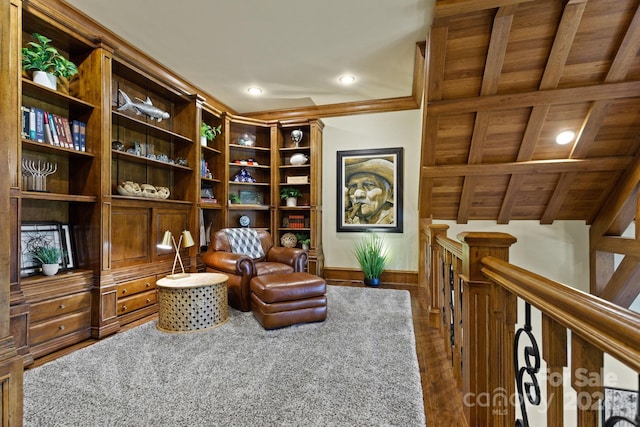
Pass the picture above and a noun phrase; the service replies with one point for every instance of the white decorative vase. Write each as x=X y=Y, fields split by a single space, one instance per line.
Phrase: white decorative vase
x=203 y=141
x=305 y=246
x=292 y=201
x=50 y=269
x=298 y=159
x=45 y=79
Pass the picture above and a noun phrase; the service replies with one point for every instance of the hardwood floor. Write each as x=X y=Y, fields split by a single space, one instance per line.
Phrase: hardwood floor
x=442 y=399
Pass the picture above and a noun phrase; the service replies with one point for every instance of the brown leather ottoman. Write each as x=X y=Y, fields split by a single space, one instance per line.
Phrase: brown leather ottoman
x=279 y=300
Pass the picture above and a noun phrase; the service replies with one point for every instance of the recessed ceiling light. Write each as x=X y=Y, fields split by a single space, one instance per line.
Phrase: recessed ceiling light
x=565 y=137
x=347 y=79
x=254 y=91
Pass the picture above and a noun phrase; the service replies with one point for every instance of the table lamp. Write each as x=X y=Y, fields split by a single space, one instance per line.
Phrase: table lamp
x=169 y=242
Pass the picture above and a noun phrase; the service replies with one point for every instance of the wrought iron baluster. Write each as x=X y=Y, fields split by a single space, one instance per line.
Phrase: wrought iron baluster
x=531 y=367
x=452 y=306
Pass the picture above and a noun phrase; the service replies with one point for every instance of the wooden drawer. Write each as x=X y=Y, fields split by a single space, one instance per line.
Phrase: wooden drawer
x=135 y=302
x=136 y=286
x=59 y=326
x=59 y=306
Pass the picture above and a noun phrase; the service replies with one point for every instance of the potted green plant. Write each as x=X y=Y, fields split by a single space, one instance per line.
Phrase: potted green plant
x=209 y=133
x=49 y=258
x=46 y=62
x=304 y=240
x=372 y=257
x=234 y=198
x=291 y=195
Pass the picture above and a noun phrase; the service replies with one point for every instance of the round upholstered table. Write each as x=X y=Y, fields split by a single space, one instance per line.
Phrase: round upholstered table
x=193 y=303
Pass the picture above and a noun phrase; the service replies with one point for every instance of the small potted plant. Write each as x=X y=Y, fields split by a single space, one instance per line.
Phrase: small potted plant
x=304 y=241
x=291 y=195
x=46 y=63
x=49 y=258
x=372 y=257
x=234 y=198
x=209 y=133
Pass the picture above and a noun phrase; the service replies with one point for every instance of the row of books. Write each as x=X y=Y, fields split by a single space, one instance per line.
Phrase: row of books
x=294 y=221
x=41 y=126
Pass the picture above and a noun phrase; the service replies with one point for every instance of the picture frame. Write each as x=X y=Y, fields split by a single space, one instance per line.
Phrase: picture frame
x=53 y=234
x=248 y=197
x=619 y=402
x=370 y=190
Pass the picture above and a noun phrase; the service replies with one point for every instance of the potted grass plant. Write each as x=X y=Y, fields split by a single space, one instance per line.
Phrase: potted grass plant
x=46 y=63
x=372 y=257
x=49 y=258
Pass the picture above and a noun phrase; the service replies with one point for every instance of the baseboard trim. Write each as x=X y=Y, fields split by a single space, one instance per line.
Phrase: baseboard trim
x=392 y=277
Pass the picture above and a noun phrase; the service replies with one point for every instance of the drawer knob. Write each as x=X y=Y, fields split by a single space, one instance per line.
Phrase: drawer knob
x=62 y=327
x=62 y=306
x=148 y=299
x=147 y=284
x=124 y=307
x=124 y=291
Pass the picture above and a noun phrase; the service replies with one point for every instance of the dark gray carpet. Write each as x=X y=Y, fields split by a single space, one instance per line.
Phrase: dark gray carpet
x=358 y=368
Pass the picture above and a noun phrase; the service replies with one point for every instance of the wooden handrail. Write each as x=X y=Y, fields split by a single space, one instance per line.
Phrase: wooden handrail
x=607 y=326
x=450 y=245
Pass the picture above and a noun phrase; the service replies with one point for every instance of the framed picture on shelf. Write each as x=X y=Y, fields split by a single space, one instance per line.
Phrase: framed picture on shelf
x=250 y=197
x=619 y=402
x=48 y=234
x=369 y=193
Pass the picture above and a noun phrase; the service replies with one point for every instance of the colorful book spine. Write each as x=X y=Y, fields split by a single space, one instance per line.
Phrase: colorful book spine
x=48 y=136
x=32 y=123
x=83 y=136
x=54 y=131
x=39 y=125
x=75 y=134
x=26 y=111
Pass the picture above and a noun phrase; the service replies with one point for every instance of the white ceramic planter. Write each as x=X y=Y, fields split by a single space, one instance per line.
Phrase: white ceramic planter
x=203 y=141
x=50 y=269
x=45 y=79
x=292 y=201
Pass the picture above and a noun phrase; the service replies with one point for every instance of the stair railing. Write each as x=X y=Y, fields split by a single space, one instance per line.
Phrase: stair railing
x=473 y=293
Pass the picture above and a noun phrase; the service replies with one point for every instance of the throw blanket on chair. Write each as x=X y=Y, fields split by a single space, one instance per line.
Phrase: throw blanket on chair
x=244 y=241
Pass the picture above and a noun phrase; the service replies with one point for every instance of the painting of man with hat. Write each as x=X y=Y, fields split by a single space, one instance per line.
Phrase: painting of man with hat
x=369 y=188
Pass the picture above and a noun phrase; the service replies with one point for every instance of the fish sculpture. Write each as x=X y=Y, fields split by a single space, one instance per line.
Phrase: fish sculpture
x=147 y=108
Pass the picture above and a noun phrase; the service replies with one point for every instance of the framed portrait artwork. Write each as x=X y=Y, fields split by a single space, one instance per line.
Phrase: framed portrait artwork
x=370 y=190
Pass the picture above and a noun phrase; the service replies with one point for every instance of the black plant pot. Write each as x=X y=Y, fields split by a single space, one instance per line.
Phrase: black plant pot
x=372 y=282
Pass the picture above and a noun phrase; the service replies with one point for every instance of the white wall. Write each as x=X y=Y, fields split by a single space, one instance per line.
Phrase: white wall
x=368 y=131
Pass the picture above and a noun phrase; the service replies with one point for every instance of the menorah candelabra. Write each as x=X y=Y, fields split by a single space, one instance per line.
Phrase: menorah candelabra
x=37 y=173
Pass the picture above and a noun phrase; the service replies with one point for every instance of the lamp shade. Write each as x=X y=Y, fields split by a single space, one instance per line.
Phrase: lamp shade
x=166 y=241
x=187 y=239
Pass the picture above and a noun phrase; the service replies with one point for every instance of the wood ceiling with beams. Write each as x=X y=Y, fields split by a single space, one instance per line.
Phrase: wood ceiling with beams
x=503 y=78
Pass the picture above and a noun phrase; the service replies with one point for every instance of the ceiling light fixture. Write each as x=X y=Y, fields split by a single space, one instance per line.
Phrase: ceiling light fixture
x=347 y=79
x=565 y=137
x=254 y=91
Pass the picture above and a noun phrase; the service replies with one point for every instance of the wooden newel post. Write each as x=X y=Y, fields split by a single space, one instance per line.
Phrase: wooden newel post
x=484 y=344
x=434 y=274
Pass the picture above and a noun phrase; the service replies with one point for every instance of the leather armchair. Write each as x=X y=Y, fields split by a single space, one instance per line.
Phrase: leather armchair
x=241 y=269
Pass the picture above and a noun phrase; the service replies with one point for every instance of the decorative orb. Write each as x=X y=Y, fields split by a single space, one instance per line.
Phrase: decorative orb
x=289 y=240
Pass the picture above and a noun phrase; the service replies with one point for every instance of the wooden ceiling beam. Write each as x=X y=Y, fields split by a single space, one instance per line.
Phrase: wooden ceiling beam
x=557 y=198
x=446 y=8
x=621 y=288
x=531 y=167
x=567 y=28
x=493 y=69
x=596 y=115
x=563 y=96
